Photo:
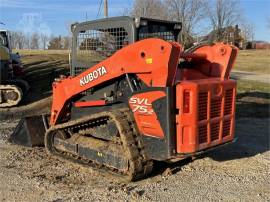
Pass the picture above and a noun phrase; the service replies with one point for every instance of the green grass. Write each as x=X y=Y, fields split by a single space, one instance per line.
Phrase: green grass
x=257 y=61
x=251 y=86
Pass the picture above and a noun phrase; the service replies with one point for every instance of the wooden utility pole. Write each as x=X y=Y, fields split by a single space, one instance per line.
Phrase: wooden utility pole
x=105 y=8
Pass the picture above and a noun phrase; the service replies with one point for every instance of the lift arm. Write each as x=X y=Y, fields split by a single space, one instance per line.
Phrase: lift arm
x=154 y=61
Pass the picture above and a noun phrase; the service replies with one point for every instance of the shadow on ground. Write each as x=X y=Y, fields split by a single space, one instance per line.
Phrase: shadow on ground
x=253 y=104
x=252 y=133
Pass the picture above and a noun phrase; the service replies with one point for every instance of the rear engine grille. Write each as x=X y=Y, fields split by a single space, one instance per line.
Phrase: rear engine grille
x=210 y=115
x=215 y=108
x=226 y=128
x=215 y=131
x=202 y=134
x=228 y=102
x=202 y=112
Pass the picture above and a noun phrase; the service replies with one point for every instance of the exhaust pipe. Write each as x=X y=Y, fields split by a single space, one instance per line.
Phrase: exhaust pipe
x=30 y=131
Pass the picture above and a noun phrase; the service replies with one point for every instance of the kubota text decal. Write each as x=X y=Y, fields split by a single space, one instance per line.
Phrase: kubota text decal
x=93 y=75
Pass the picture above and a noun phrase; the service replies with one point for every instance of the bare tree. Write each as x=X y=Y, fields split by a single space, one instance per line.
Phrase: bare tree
x=190 y=13
x=149 y=8
x=55 y=43
x=34 y=41
x=44 y=40
x=18 y=39
x=13 y=40
x=247 y=31
x=27 y=41
x=223 y=13
x=66 y=42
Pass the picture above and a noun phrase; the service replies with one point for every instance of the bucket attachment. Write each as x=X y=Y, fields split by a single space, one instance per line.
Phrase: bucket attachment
x=29 y=132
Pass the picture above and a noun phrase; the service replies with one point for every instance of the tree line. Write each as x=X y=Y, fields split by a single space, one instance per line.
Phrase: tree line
x=33 y=41
x=198 y=17
x=219 y=18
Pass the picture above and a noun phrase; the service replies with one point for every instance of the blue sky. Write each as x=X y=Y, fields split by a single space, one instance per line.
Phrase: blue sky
x=54 y=16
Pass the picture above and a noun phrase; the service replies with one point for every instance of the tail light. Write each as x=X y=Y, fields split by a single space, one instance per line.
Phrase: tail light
x=186 y=107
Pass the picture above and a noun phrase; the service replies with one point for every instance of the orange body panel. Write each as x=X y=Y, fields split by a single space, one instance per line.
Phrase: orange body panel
x=215 y=61
x=211 y=118
x=90 y=103
x=145 y=116
x=219 y=61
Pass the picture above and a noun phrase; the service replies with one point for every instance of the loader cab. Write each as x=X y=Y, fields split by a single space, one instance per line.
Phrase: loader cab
x=94 y=41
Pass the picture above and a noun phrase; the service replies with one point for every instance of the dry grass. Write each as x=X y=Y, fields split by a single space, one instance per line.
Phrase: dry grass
x=251 y=86
x=257 y=61
x=41 y=52
x=33 y=57
x=253 y=97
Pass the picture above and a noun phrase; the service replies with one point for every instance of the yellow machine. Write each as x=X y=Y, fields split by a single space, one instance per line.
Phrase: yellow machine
x=11 y=88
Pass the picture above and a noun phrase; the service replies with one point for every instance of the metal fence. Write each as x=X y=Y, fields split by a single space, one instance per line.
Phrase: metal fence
x=94 y=46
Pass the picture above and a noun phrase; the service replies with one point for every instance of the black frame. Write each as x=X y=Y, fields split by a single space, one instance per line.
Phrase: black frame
x=162 y=148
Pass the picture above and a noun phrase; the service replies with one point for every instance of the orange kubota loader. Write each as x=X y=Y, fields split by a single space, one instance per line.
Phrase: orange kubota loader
x=141 y=99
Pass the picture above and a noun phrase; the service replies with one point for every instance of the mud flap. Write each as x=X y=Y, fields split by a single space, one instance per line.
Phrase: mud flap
x=29 y=132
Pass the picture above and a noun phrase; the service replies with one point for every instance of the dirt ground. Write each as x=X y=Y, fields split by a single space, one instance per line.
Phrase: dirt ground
x=236 y=172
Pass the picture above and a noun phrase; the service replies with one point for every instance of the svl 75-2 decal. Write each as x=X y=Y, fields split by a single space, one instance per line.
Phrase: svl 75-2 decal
x=144 y=114
x=141 y=105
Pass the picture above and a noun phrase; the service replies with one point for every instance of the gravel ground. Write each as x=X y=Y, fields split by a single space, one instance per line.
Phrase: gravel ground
x=237 y=172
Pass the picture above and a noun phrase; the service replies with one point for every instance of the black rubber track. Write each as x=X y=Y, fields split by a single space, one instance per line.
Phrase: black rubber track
x=139 y=165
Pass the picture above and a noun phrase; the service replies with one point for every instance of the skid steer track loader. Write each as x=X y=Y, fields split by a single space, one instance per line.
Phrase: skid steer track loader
x=135 y=96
